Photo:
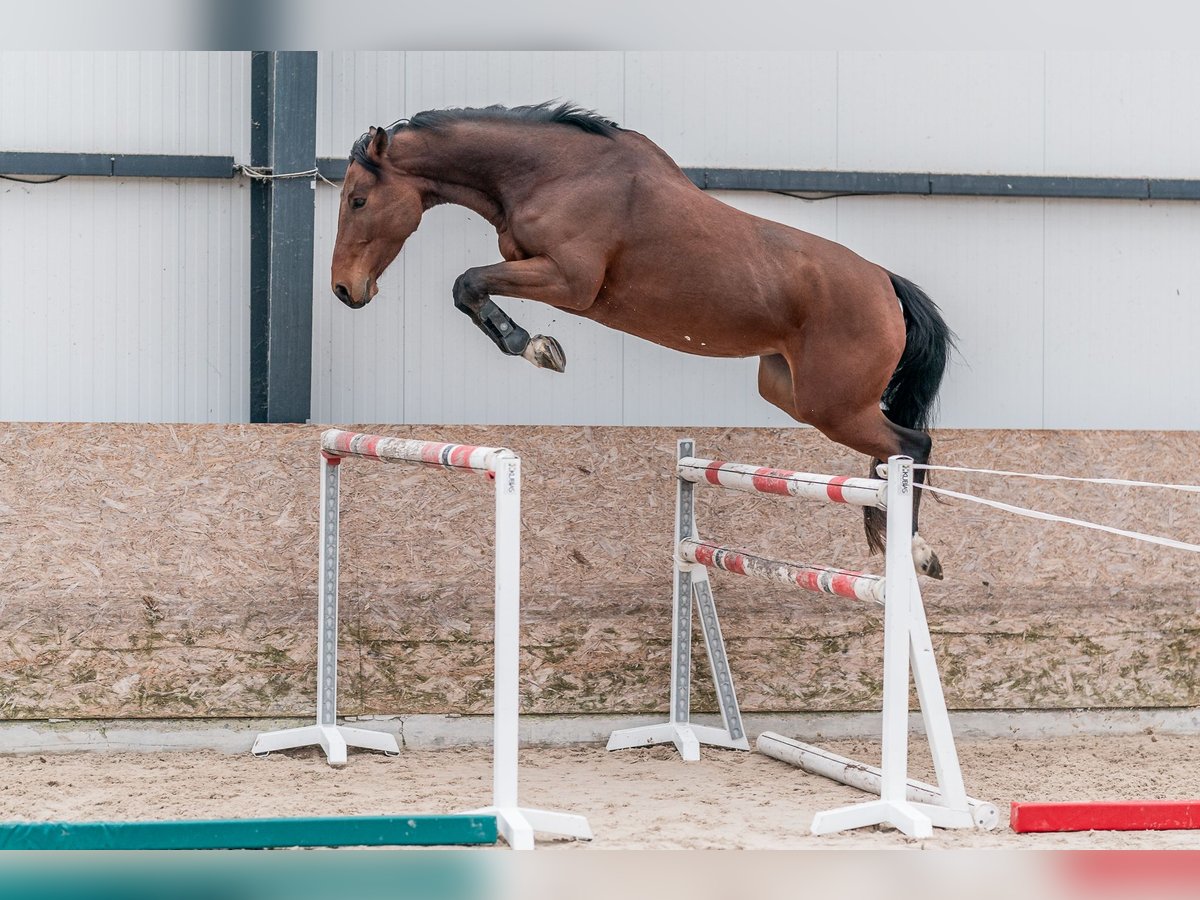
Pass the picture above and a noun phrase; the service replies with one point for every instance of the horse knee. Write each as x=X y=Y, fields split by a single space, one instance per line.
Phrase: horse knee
x=467 y=291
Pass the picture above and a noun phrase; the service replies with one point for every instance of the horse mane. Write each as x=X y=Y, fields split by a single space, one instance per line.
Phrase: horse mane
x=546 y=113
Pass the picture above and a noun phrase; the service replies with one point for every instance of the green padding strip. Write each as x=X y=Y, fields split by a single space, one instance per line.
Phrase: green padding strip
x=249 y=834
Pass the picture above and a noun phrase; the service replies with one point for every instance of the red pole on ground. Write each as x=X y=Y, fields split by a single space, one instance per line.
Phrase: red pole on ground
x=1117 y=815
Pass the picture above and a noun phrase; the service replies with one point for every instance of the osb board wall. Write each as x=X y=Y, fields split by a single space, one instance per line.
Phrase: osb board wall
x=156 y=570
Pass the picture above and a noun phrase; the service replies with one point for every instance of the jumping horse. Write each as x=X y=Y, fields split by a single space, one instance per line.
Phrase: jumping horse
x=597 y=220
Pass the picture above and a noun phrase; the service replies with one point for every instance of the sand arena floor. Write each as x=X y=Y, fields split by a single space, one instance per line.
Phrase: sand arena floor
x=633 y=799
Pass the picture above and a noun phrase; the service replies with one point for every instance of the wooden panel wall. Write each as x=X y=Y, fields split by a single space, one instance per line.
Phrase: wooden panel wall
x=155 y=570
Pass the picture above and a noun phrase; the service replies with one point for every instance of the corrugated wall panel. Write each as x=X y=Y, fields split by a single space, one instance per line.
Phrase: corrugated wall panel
x=981 y=261
x=994 y=266
x=356 y=371
x=758 y=110
x=129 y=299
x=942 y=112
x=125 y=299
x=133 y=102
x=1122 y=315
x=1123 y=114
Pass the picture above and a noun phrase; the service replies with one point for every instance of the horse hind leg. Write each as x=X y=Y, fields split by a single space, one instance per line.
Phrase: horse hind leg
x=869 y=432
x=916 y=444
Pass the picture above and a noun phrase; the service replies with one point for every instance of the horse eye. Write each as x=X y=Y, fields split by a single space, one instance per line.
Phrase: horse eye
x=358 y=202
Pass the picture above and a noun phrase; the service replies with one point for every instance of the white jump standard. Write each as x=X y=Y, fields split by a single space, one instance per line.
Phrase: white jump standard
x=514 y=823
x=912 y=807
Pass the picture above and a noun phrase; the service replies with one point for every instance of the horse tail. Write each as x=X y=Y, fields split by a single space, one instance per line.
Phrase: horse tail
x=910 y=398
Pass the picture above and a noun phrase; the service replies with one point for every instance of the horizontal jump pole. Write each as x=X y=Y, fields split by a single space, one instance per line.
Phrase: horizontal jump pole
x=250 y=834
x=817 y=761
x=1117 y=815
x=337 y=444
x=784 y=482
x=818 y=579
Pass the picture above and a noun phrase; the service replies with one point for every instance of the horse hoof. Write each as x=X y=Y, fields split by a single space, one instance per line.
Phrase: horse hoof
x=925 y=559
x=545 y=353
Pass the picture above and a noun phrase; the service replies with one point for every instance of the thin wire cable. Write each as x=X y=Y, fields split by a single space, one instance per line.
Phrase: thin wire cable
x=1051 y=517
x=1118 y=482
x=32 y=180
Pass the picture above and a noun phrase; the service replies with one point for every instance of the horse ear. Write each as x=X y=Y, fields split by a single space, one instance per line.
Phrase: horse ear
x=379 y=142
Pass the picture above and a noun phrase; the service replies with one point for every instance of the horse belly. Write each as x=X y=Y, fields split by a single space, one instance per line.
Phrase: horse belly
x=687 y=322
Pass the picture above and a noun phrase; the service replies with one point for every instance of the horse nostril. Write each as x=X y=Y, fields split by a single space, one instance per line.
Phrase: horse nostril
x=342 y=292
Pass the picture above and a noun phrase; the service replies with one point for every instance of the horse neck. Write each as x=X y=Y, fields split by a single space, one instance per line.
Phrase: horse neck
x=484 y=169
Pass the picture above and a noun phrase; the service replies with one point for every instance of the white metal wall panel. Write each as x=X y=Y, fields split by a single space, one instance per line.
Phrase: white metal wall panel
x=756 y=110
x=354 y=353
x=124 y=300
x=981 y=262
x=942 y=112
x=990 y=264
x=1122 y=315
x=1123 y=114
x=129 y=299
x=134 y=102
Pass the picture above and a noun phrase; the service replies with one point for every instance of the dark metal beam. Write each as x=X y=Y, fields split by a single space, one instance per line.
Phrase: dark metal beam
x=119 y=165
x=822 y=183
x=283 y=110
x=797 y=181
x=944 y=185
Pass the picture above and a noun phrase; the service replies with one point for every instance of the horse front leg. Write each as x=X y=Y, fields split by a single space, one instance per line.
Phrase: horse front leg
x=530 y=279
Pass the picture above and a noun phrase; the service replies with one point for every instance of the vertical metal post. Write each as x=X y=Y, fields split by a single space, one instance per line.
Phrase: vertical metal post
x=681 y=615
x=333 y=738
x=690 y=584
x=327 y=602
x=283 y=108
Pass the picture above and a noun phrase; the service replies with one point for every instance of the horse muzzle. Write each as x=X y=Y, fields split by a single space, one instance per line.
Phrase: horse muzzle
x=342 y=292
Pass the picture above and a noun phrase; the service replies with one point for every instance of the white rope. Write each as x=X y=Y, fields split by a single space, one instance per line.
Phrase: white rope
x=260 y=174
x=1050 y=517
x=1119 y=482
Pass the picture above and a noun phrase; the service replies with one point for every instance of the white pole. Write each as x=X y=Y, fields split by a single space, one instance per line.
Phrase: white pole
x=898 y=566
x=506 y=705
x=819 y=761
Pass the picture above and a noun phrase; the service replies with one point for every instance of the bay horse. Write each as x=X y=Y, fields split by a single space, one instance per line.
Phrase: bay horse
x=598 y=221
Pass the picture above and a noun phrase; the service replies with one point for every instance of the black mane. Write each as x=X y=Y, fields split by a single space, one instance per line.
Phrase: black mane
x=539 y=113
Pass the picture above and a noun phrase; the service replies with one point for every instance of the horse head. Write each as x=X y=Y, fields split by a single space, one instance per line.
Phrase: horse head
x=380 y=208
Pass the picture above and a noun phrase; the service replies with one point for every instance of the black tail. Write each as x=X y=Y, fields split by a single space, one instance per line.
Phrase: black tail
x=910 y=398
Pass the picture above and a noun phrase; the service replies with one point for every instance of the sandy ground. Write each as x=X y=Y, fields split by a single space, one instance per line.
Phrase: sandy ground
x=633 y=799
